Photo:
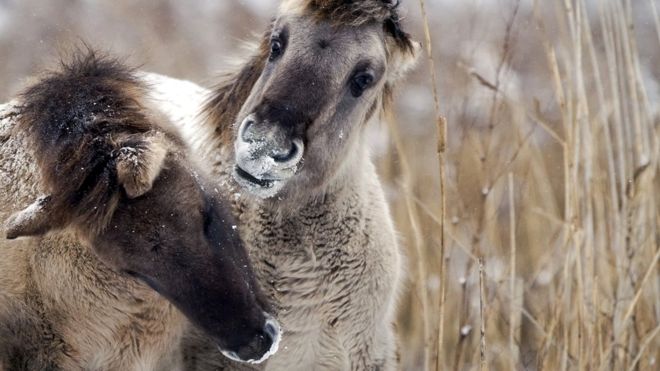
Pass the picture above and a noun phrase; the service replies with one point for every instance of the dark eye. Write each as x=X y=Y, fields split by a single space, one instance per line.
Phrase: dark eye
x=207 y=215
x=156 y=247
x=360 y=82
x=207 y=222
x=275 y=49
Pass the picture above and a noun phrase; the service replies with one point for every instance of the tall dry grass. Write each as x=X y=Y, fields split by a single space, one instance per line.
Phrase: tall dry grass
x=551 y=213
x=539 y=250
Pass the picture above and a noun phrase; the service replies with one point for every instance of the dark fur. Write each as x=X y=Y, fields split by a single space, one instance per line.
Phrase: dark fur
x=359 y=12
x=28 y=342
x=118 y=175
x=79 y=118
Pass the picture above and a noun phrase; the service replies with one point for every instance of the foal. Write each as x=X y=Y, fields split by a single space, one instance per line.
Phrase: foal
x=125 y=206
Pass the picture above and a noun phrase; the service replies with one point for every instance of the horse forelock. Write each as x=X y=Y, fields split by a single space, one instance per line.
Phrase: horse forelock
x=76 y=118
x=354 y=13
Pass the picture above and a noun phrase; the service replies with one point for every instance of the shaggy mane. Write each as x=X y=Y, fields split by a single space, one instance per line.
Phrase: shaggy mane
x=76 y=118
x=233 y=89
x=359 y=12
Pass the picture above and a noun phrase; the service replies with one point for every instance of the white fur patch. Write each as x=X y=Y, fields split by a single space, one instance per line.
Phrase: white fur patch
x=182 y=101
x=292 y=7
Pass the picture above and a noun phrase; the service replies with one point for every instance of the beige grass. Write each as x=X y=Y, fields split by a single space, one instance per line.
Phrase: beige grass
x=552 y=249
x=549 y=164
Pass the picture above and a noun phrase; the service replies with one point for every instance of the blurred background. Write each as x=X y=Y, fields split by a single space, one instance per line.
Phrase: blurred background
x=545 y=254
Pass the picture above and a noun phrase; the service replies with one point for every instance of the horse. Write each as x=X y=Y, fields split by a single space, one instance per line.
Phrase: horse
x=130 y=243
x=286 y=131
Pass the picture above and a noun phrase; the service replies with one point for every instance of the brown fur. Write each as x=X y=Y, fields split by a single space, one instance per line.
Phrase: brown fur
x=232 y=90
x=349 y=12
x=312 y=211
x=234 y=87
x=126 y=209
x=73 y=144
x=357 y=13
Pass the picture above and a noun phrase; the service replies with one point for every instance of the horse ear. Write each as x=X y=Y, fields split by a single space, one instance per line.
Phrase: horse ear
x=34 y=220
x=403 y=60
x=139 y=162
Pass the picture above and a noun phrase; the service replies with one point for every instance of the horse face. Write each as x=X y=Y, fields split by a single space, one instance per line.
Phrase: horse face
x=302 y=119
x=167 y=230
x=119 y=176
x=181 y=240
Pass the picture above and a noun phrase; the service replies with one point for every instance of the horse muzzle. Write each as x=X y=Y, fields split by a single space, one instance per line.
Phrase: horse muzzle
x=266 y=157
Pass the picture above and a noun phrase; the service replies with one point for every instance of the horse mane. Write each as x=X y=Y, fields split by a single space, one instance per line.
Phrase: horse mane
x=358 y=12
x=233 y=89
x=77 y=118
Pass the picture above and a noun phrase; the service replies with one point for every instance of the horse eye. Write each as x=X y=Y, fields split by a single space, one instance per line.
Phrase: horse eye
x=156 y=247
x=360 y=82
x=206 y=217
x=275 y=49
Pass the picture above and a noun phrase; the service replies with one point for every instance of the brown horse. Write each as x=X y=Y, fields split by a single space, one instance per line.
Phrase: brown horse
x=289 y=129
x=126 y=206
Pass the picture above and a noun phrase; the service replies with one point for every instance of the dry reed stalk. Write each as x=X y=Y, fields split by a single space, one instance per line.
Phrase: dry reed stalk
x=645 y=343
x=482 y=327
x=639 y=162
x=504 y=58
x=441 y=125
x=600 y=125
x=603 y=238
x=473 y=258
x=418 y=243
x=519 y=307
x=599 y=336
x=614 y=175
x=512 y=277
x=639 y=84
x=626 y=28
x=620 y=65
x=436 y=220
x=583 y=200
x=652 y=268
x=656 y=19
x=561 y=101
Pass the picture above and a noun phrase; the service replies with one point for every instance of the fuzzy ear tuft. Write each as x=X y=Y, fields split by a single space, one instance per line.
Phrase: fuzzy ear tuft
x=34 y=220
x=139 y=162
x=402 y=61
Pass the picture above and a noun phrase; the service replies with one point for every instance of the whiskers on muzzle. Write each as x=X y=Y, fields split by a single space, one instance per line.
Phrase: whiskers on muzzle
x=266 y=157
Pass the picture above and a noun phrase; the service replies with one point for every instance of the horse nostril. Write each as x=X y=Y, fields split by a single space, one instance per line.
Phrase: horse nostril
x=245 y=126
x=288 y=156
x=271 y=330
x=260 y=347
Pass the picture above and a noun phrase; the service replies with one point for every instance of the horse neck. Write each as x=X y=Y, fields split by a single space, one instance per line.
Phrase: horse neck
x=355 y=169
x=355 y=174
